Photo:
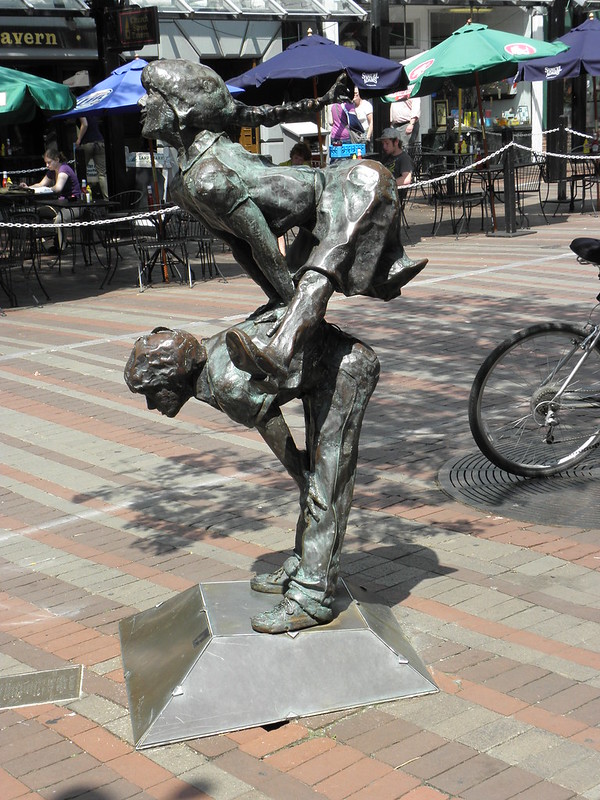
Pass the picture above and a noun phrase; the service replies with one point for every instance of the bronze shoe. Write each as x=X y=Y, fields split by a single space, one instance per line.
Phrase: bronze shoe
x=271 y=582
x=287 y=615
x=401 y=272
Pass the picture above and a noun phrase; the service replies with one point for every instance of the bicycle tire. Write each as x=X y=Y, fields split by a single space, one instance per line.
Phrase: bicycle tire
x=512 y=391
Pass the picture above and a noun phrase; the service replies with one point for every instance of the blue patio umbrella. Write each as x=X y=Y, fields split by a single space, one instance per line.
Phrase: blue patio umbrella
x=117 y=94
x=583 y=56
x=310 y=66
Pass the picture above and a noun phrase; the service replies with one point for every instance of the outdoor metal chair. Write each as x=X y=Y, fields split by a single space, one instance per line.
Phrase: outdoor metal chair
x=461 y=195
x=163 y=240
x=583 y=179
x=126 y=201
x=529 y=179
x=18 y=254
x=196 y=232
x=122 y=232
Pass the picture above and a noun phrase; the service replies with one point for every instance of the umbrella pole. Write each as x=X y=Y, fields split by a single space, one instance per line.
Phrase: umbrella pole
x=596 y=136
x=319 y=131
x=163 y=252
x=485 y=151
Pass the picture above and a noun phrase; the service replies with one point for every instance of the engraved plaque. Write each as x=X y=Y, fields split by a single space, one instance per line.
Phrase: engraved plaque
x=33 y=688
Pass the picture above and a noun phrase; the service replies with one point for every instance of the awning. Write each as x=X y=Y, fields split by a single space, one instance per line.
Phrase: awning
x=57 y=7
x=202 y=40
x=257 y=9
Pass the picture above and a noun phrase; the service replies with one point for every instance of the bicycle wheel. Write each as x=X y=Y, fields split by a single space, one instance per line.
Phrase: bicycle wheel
x=514 y=391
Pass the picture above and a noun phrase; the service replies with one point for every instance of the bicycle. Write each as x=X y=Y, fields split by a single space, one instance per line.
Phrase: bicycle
x=534 y=404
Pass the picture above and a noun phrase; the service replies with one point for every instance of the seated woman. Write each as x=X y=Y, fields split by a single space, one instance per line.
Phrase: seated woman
x=347 y=216
x=63 y=181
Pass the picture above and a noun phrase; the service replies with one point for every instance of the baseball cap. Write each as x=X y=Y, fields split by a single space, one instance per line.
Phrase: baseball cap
x=389 y=133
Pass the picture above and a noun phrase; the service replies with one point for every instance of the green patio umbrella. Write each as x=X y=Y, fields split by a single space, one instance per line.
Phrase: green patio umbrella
x=21 y=93
x=472 y=55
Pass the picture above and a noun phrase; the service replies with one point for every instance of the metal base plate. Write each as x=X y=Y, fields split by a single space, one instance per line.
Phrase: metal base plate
x=195 y=667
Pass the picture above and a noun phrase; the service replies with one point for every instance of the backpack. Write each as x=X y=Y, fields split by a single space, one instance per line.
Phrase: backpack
x=355 y=128
x=354 y=124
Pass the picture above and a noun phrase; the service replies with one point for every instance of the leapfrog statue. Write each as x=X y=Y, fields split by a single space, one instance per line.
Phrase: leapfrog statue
x=347 y=240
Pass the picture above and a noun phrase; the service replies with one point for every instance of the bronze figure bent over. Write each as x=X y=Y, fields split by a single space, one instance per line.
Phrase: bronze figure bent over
x=334 y=376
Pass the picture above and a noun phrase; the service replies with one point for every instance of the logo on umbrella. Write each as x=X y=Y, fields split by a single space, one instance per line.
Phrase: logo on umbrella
x=370 y=78
x=93 y=99
x=419 y=70
x=520 y=49
x=553 y=72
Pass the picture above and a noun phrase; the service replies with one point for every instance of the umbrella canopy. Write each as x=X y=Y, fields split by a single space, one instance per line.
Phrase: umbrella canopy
x=21 y=93
x=583 y=56
x=117 y=94
x=290 y=74
x=475 y=54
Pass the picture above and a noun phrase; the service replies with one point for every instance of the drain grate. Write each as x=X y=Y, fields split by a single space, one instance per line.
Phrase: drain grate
x=570 y=499
x=33 y=688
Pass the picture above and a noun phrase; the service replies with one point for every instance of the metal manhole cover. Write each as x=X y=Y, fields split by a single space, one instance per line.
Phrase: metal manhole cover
x=569 y=499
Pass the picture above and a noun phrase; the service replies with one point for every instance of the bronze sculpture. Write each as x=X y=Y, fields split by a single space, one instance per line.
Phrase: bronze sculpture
x=348 y=241
x=334 y=375
x=347 y=216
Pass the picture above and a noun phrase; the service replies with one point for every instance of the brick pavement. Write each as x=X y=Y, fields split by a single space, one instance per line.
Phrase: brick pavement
x=107 y=509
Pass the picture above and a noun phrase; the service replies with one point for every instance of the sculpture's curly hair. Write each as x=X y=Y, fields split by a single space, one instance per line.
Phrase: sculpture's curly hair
x=164 y=358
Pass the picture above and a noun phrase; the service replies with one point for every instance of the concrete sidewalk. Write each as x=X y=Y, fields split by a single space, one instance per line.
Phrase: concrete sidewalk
x=107 y=509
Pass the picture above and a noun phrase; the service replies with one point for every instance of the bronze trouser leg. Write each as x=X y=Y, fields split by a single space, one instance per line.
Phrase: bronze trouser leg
x=334 y=415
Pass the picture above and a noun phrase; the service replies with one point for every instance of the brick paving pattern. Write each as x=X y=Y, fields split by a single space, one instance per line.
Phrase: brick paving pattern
x=107 y=509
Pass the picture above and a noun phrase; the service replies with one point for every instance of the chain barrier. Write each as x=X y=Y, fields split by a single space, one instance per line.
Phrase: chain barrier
x=475 y=167
x=577 y=133
x=540 y=154
x=10 y=172
x=92 y=223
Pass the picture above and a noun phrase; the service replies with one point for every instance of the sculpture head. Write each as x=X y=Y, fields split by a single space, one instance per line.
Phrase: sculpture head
x=164 y=366
x=183 y=97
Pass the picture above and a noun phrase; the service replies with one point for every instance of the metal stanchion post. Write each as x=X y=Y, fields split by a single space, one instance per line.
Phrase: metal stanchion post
x=510 y=214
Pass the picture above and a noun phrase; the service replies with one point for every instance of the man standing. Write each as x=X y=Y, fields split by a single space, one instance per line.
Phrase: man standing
x=395 y=158
x=91 y=141
x=404 y=115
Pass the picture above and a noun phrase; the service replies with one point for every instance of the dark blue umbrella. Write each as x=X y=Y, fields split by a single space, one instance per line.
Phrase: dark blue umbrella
x=117 y=94
x=583 y=56
x=312 y=65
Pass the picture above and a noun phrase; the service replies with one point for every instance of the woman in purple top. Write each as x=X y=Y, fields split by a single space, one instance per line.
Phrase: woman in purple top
x=59 y=176
x=64 y=183
x=339 y=122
